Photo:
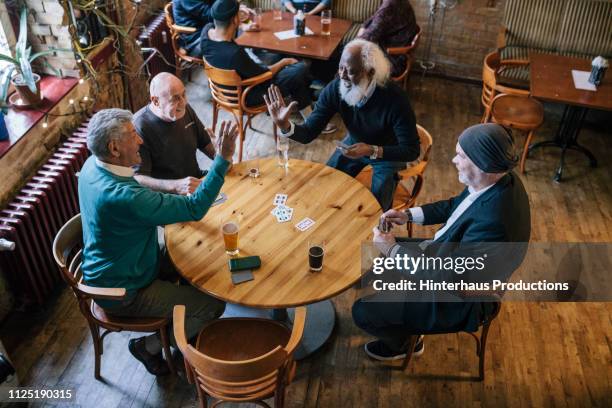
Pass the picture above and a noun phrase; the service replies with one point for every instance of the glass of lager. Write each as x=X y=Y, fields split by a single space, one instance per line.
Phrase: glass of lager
x=230 y=237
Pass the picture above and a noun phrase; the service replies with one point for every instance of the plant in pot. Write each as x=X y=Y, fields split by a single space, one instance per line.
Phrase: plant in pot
x=26 y=82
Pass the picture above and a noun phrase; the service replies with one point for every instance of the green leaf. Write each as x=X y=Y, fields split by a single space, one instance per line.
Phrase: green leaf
x=9 y=59
x=21 y=45
x=5 y=85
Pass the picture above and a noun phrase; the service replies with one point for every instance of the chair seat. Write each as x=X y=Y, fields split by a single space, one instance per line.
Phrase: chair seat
x=237 y=339
x=401 y=195
x=524 y=113
x=135 y=324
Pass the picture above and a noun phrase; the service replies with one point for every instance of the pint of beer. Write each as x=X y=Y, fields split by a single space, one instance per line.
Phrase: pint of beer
x=230 y=237
x=326 y=18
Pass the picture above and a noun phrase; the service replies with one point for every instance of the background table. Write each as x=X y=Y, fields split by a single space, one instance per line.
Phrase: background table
x=344 y=212
x=315 y=46
x=551 y=80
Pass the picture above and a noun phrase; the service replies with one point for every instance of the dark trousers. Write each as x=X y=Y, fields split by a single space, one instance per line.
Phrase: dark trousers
x=384 y=178
x=293 y=81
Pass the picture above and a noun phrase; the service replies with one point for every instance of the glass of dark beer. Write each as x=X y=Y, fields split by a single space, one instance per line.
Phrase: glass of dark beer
x=316 y=250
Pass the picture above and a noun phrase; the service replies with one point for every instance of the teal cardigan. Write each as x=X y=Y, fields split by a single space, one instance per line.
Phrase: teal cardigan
x=120 y=219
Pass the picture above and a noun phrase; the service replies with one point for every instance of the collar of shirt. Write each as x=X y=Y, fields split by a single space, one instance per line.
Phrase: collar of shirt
x=475 y=194
x=368 y=95
x=121 y=171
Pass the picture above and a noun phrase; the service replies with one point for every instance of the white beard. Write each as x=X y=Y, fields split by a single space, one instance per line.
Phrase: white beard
x=353 y=95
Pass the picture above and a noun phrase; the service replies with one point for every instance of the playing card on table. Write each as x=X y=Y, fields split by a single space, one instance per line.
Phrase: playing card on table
x=280 y=199
x=284 y=214
x=305 y=224
x=221 y=198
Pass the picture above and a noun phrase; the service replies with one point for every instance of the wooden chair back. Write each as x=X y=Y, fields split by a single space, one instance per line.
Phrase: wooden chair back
x=490 y=65
x=175 y=33
x=415 y=173
x=244 y=380
x=407 y=50
x=225 y=86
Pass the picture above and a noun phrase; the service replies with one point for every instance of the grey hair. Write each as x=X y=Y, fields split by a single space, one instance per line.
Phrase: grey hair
x=373 y=57
x=104 y=126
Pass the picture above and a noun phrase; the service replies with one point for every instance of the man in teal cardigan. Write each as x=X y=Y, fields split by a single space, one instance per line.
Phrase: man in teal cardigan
x=120 y=219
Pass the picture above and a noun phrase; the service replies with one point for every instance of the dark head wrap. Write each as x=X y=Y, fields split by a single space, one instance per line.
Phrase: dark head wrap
x=490 y=146
x=224 y=10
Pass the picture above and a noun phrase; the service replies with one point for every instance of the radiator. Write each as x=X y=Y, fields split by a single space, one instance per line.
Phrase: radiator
x=35 y=215
x=156 y=35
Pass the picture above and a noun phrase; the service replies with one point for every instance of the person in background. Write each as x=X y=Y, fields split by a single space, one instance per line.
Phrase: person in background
x=392 y=25
x=196 y=14
x=171 y=134
x=309 y=7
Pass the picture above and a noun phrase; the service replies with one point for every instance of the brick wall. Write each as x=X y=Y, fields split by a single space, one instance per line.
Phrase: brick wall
x=48 y=28
x=460 y=42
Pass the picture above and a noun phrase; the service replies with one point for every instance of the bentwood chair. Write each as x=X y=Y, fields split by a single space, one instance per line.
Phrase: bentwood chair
x=408 y=51
x=182 y=59
x=67 y=253
x=491 y=309
x=510 y=107
x=411 y=179
x=240 y=359
x=229 y=92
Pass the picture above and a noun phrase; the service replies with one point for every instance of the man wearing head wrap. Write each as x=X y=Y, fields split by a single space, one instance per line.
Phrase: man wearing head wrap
x=493 y=208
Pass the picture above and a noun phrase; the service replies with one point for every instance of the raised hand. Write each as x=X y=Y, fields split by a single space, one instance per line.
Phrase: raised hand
x=226 y=140
x=279 y=111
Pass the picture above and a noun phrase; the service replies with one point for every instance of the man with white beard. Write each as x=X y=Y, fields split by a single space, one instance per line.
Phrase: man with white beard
x=376 y=112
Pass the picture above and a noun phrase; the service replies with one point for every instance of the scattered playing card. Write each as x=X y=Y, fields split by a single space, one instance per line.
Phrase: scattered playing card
x=305 y=224
x=221 y=198
x=280 y=199
x=284 y=214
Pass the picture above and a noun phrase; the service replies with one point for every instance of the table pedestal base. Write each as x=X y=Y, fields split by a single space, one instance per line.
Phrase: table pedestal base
x=320 y=322
x=566 y=138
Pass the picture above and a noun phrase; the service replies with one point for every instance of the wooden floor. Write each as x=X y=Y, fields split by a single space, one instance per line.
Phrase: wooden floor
x=539 y=354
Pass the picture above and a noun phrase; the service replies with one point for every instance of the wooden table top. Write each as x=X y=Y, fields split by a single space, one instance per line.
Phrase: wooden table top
x=551 y=80
x=344 y=212
x=315 y=46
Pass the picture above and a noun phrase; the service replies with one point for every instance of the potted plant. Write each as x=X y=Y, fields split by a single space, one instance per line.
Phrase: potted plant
x=25 y=81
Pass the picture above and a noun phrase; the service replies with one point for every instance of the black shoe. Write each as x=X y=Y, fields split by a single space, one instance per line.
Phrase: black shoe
x=154 y=363
x=379 y=351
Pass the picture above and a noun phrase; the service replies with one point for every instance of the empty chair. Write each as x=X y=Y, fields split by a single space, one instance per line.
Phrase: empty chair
x=240 y=359
x=510 y=107
x=67 y=252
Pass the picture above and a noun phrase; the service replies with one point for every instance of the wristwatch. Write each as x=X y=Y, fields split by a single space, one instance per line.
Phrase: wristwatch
x=374 y=154
x=409 y=214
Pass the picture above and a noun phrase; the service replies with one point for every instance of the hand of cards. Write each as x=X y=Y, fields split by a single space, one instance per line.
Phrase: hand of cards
x=342 y=147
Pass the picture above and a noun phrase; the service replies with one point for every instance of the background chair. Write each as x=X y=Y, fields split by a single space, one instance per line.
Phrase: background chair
x=510 y=107
x=240 y=359
x=182 y=59
x=67 y=253
x=492 y=309
x=409 y=52
x=411 y=179
x=229 y=92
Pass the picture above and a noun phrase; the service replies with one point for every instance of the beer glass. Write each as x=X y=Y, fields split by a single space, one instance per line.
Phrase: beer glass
x=326 y=18
x=277 y=13
x=230 y=237
x=257 y=19
x=316 y=250
x=282 y=152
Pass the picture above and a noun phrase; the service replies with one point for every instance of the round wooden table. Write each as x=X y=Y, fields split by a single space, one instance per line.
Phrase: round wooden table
x=344 y=212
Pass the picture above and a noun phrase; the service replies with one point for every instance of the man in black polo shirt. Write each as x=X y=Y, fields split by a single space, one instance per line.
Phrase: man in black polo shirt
x=219 y=49
x=376 y=112
x=171 y=134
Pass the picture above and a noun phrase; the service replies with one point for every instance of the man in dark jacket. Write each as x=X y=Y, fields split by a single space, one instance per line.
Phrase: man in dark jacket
x=493 y=209
x=377 y=114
